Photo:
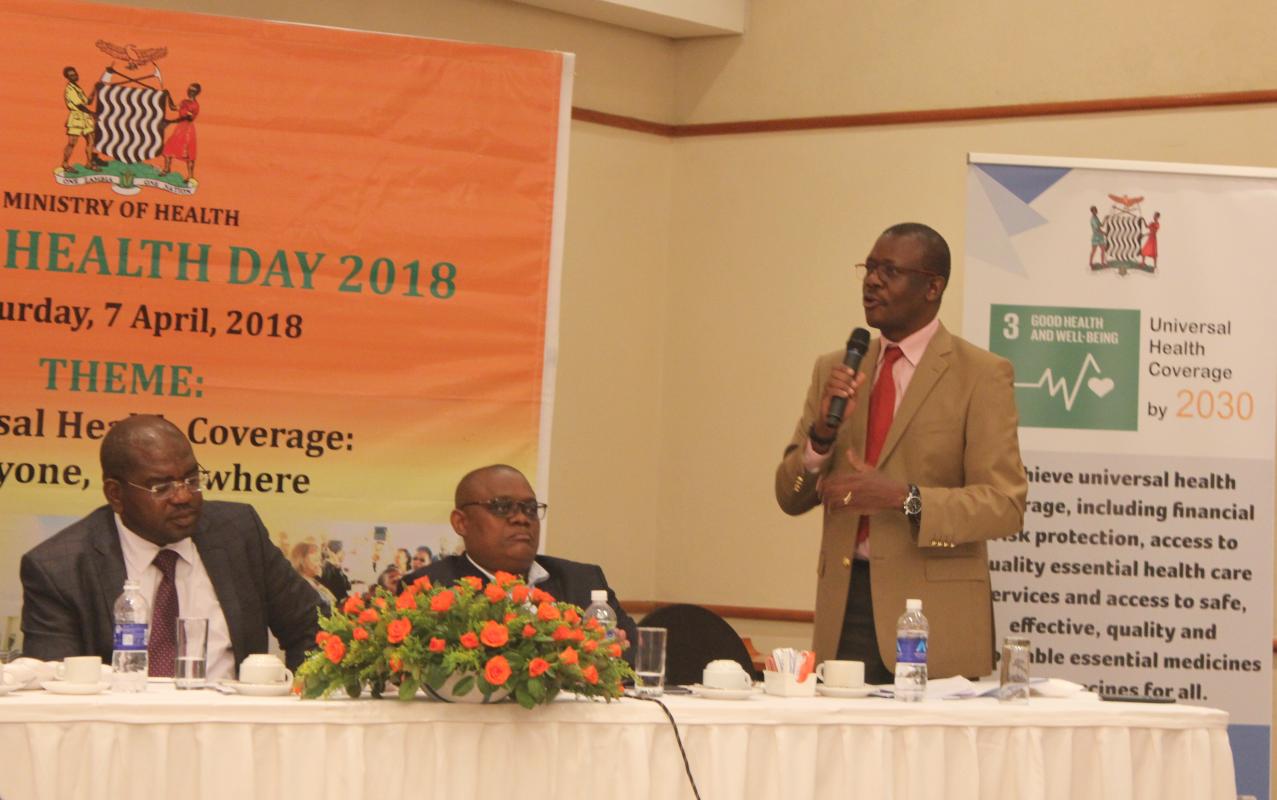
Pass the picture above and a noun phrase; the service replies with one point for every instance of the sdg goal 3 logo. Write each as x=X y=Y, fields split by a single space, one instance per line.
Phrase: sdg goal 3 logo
x=1074 y=367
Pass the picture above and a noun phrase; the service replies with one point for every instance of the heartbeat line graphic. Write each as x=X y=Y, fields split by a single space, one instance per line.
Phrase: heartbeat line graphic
x=1054 y=386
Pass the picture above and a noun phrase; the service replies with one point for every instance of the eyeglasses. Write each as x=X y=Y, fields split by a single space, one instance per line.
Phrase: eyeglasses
x=504 y=507
x=888 y=272
x=162 y=491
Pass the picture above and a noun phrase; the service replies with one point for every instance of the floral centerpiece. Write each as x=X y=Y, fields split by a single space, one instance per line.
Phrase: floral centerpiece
x=498 y=639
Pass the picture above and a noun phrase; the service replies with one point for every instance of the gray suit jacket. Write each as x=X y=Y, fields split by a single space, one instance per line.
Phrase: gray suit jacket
x=71 y=580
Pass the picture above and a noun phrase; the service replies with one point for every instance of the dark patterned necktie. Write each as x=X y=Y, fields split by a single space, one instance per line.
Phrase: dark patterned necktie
x=162 y=650
x=882 y=409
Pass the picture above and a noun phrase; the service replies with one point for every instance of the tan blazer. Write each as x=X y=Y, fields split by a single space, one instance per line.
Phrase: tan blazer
x=955 y=435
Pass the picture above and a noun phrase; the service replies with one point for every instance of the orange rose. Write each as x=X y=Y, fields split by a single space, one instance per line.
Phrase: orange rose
x=369 y=615
x=494 y=634
x=396 y=663
x=509 y=617
x=353 y=603
x=537 y=667
x=519 y=593
x=529 y=631
x=560 y=633
x=578 y=634
x=472 y=582
x=442 y=601
x=406 y=601
x=360 y=634
x=335 y=649
x=590 y=646
x=614 y=650
x=540 y=597
x=422 y=583
x=571 y=617
x=547 y=612
x=497 y=670
x=568 y=656
x=494 y=593
x=437 y=644
x=380 y=602
x=590 y=674
x=469 y=640
x=322 y=637
x=398 y=630
x=591 y=624
x=505 y=578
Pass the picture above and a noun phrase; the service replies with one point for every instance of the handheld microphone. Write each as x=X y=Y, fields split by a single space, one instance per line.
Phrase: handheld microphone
x=856 y=347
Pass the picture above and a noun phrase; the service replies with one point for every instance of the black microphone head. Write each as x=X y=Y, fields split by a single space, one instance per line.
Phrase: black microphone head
x=859 y=341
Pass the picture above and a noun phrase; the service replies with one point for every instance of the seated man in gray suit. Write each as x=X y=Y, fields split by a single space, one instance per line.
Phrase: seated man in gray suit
x=498 y=516
x=211 y=560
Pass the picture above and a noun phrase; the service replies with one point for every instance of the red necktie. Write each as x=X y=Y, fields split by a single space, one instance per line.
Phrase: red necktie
x=882 y=408
x=162 y=649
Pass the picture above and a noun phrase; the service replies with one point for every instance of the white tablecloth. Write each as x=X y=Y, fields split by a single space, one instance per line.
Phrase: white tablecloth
x=201 y=744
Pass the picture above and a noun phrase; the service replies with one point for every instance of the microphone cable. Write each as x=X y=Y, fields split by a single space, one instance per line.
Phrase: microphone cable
x=687 y=767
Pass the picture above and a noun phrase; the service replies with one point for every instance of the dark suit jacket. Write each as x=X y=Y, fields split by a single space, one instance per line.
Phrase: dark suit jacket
x=71 y=580
x=956 y=435
x=569 y=581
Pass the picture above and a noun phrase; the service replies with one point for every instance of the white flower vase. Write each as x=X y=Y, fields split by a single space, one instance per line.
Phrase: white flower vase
x=473 y=696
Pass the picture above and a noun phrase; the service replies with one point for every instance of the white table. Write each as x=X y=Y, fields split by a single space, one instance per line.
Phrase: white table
x=192 y=745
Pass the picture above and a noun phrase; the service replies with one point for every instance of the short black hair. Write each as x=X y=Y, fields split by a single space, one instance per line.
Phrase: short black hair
x=935 y=250
x=126 y=436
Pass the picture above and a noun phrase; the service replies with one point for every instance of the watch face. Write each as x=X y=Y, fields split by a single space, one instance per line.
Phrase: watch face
x=913 y=503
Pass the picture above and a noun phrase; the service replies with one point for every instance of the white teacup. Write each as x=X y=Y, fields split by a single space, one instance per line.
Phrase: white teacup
x=79 y=669
x=264 y=668
x=842 y=674
x=725 y=674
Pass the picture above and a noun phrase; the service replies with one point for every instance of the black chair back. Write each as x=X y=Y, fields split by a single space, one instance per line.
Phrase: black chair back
x=696 y=637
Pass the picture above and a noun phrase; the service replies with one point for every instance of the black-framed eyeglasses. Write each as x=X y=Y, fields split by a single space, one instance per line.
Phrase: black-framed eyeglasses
x=165 y=489
x=888 y=272
x=504 y=507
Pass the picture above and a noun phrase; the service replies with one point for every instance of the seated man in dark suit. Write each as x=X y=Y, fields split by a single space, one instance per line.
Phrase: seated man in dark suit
x=498 y=516
x=211 y=560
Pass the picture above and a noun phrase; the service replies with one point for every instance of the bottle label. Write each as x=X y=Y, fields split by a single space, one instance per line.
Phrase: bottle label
x=911 y=650
x=130 y=635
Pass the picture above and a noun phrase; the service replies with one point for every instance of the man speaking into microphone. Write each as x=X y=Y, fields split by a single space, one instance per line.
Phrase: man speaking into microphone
x=919 y=469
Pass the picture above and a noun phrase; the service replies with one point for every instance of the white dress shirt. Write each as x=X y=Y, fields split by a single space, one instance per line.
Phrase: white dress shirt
x=195 y=594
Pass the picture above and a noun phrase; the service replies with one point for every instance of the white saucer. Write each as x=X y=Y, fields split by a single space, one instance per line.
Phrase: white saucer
x=711 y=693
x=260 y=689
x=62 y=687
x=845 y=691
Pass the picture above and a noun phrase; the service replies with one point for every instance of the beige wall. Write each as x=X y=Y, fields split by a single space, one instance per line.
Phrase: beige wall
x=821 y=57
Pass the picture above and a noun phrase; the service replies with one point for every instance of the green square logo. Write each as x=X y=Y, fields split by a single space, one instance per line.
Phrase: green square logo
x=1074 y=367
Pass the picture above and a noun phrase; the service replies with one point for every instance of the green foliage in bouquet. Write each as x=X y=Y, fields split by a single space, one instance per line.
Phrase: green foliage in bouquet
x=502 y=637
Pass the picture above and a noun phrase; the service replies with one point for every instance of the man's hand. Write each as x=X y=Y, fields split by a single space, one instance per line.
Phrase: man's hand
x=842 y=382
x=864 y=490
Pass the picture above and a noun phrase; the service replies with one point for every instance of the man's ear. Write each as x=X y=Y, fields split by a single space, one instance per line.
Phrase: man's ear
x=458 y=520
x=935 y=288
x=114 y=492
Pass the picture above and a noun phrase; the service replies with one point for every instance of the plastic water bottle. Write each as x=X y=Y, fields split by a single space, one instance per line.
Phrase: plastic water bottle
x=600 y=610
x=129 y=661
x=911 y=653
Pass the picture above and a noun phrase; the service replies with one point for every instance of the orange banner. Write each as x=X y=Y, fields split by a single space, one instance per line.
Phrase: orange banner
x=328 y=256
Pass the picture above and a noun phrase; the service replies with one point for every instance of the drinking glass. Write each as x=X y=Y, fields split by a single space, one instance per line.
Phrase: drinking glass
x=649 y=661
x=192 y=651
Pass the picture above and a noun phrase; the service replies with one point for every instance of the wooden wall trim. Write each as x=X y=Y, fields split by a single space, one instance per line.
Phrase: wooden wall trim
x=929 y=116
x=637 y=608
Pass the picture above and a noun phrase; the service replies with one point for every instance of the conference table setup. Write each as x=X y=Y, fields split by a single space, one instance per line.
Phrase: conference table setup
x=218 y=742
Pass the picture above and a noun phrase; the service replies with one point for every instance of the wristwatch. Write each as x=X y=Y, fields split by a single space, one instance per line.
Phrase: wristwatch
x=913 y=504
